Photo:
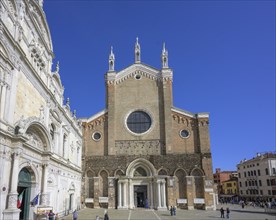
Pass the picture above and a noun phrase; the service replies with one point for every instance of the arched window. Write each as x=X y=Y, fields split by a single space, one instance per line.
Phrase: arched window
x=182 y=185
x=104 y=183
x=199 y=183
x=52 y=131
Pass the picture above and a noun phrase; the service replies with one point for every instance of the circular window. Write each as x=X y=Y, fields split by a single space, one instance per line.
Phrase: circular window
x=137 y=76
x=138 y=122
x=96 y=136
x=184 y=133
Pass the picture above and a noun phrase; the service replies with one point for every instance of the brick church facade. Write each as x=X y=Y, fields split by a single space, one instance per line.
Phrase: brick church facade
x=141 y=151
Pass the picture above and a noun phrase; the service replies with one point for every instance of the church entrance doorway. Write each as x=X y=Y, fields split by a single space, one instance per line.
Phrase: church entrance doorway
x=24 y=191
x=140 y=196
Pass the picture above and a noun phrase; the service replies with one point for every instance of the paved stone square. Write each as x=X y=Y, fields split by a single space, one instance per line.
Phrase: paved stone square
x=236 y=213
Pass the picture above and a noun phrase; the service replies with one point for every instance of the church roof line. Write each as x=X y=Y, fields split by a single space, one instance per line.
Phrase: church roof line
x=93 y=117
x=190 y=114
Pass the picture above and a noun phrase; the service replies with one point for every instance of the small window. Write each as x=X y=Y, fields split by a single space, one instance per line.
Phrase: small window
x=137 y=76
x=259 y=173
x=260 y=182
x=266 y=171
x=184 y=133
x=96 y=136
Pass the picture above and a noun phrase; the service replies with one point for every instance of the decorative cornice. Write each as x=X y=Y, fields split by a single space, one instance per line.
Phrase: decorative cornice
x=95 y=122
x=87 y=120
x=183 y=112
x=141 y=69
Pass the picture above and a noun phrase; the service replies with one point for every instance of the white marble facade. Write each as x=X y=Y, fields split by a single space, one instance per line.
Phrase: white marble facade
x=40 y=138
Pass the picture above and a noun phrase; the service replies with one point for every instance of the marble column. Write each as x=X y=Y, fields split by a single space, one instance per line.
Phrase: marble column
x=130 y=194
x=119 y=194
x=12 y=212
x=125 y=194
x=151 y=203
x=44 y=186
x=164 y=205
x=158 y=195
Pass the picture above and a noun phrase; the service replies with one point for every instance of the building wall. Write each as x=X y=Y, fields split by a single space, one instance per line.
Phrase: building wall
x=39 y=135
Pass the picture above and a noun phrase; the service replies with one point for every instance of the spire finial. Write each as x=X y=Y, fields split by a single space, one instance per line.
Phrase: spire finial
x=164 y=47
x=164 y=57
x=57 y=67
x=137 y=52
x=111 y=61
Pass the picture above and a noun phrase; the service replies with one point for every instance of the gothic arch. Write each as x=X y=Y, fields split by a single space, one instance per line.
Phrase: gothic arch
x=144 y=164
x=118 y=172
x=163 y=172
x=180 y=169
x=90 y=173
x=99 y=173
x=197 y=172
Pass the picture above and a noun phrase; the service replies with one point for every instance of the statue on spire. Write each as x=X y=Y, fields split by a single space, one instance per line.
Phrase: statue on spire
x=137 y=52
x=111 y=61
x=164 y=57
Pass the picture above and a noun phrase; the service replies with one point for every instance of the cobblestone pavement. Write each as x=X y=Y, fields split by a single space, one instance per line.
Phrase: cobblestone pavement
x=236 y=213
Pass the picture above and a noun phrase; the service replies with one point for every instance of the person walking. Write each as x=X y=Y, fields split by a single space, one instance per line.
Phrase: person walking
x=75 y=215
x=106 y=216
x=171 y=211
x=221 y=212
x=51 y=215
x=227 y=212
x=174 y=210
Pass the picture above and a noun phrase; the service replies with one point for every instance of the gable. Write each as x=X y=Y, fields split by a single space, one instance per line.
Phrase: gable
x=137 y=69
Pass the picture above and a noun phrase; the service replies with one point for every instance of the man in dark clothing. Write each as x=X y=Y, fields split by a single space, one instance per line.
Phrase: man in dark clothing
x=221 y=212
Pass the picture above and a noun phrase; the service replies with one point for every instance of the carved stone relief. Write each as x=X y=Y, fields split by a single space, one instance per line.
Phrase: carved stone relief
x=152 y=147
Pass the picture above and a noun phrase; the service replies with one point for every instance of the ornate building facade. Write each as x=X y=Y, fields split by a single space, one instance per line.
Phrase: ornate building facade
x=40 y=138
x=141 y=151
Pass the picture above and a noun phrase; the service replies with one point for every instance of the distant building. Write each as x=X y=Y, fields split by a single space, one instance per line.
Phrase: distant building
x=257 y=177
x=222 y=176
x=230 y=187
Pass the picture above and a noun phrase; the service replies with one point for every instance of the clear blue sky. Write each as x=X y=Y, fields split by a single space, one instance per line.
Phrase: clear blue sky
x=222 y=54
